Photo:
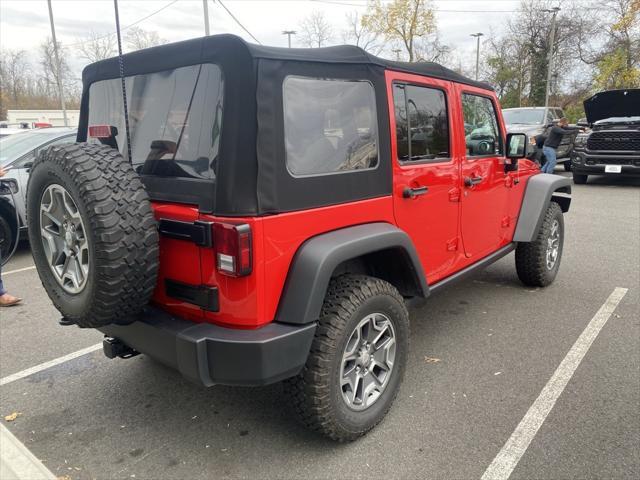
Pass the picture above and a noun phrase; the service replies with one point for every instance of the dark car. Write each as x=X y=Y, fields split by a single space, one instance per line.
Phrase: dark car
x=612 y=147
x=536 y=124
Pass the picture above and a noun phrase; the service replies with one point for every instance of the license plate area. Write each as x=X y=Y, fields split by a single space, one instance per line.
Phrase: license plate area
x=612 y=168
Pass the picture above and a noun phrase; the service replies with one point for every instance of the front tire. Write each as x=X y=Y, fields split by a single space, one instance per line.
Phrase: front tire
x=567 y=166
x=357 y=359
x=579 y=179
x=537 y=262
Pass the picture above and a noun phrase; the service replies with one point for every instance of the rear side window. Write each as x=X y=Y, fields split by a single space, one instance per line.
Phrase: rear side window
x=422 y=123
x=484 y=137
x=330 y=126
x=175 y=118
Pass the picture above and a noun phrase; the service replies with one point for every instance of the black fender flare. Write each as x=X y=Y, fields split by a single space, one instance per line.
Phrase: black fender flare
x=540 y=190
x=317 y=258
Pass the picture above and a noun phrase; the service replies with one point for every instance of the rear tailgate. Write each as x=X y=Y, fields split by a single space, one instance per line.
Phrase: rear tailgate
x=179 y=261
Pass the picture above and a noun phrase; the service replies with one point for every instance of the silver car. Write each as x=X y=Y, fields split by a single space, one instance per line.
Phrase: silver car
x=17 y=153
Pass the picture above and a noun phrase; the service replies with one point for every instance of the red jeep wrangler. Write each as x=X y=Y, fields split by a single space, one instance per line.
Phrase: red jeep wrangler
x=272 y=209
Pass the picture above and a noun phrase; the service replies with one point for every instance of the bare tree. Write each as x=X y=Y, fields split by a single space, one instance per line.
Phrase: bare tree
x=360 y=35
x=316 y=31
x=13 y=70
x=430 y=49
x=96 y=47
x=49 y=73
x=136 y=38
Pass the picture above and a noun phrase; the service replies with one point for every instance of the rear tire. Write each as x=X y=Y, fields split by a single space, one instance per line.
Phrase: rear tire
x=93 y=234
x=567 y=166
x=322 y=394
x=579 y=179
x=537 y=262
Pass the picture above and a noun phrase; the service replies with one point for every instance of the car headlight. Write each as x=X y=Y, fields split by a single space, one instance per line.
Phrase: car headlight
x=581 y=140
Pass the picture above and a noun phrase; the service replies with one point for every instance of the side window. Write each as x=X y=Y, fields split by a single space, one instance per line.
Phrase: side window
x=330 y=126
x=484 y=137
x=422 y=123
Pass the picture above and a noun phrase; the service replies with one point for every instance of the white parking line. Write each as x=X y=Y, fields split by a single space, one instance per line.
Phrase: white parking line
x=18 y=270
x=49 y=364
x=17 y=462
x=512 y=451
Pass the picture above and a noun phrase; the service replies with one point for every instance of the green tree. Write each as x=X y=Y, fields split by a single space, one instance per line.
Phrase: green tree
x=406 y=21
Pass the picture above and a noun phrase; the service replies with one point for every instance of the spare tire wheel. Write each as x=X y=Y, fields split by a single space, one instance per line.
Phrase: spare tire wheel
x=93 y=234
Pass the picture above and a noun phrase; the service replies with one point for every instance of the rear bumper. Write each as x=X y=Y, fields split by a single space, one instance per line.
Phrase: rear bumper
x=594 y=163
x=209 y=354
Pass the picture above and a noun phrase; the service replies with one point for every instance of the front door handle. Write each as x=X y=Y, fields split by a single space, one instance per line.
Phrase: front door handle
x=471 y=181
x=414 y=192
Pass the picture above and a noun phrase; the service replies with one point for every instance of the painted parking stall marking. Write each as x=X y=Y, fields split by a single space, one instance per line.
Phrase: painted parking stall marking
x=51 y=363
x=18 y=270
x=507 y=459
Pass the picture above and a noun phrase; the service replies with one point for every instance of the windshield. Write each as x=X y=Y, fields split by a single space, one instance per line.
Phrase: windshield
x=14 y=146
x=523 y=116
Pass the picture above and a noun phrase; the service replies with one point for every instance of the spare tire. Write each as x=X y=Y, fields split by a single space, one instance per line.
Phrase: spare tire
x=93 y=234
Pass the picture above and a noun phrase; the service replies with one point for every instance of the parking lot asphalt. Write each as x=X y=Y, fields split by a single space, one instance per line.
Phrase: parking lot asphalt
x=481 y=352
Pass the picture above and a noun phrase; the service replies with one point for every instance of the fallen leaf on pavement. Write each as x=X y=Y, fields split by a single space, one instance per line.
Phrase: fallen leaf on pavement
x=431 y=359
x=13 y=416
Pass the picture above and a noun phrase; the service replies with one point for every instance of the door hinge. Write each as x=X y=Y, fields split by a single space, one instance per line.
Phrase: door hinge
x=452 y=245
x=506 y=221
x=454 y=195
x=198 y=232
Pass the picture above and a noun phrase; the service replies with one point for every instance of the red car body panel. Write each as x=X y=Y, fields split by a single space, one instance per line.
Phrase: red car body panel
x=452 y=225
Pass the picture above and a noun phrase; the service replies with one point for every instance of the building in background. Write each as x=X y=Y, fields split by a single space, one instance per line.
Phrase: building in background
x=55 y=118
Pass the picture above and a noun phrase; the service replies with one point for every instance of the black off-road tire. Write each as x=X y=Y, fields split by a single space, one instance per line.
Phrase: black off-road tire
x=315 y=393
x=579 y=179
x=121 y=231
x=531 y=257
x=567 y=166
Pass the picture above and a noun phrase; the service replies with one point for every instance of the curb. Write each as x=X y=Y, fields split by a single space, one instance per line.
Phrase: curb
x=17 y=462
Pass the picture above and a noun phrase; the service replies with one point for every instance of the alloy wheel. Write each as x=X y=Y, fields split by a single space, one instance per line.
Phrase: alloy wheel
x=64 y=239
x=367 y=361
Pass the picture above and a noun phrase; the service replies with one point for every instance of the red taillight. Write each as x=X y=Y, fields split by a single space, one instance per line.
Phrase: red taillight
x=99 y=131
x=232 y=244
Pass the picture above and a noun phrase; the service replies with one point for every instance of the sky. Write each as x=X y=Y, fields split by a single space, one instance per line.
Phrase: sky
x=24 y=24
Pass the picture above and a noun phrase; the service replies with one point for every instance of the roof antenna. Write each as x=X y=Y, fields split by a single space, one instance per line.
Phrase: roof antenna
x=124 y=90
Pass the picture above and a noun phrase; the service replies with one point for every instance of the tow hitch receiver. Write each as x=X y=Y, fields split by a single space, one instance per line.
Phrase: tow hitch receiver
x=113 y=348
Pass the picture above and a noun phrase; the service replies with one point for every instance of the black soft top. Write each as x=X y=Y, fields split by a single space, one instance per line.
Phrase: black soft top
x=251 y=177
x=349 y=54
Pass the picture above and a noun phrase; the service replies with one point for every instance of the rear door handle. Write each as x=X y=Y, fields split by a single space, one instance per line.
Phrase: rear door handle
x=414 y=192
x=471 y=181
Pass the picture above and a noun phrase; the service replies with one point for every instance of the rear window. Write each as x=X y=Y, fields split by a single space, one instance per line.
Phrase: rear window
x=330 y=126
x=175 y=118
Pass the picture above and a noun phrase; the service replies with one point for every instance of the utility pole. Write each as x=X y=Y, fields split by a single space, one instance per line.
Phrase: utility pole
x=58 y=71
x=554 y=11
x=477 y=35
x=206 y=17
x=288 y=33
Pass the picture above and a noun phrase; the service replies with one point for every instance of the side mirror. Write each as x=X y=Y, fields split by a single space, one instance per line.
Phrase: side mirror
x=27 y=165
x=516 y=149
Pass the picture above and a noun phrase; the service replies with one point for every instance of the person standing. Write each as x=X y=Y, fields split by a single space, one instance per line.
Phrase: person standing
x=6 y=300
x=552 y=143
